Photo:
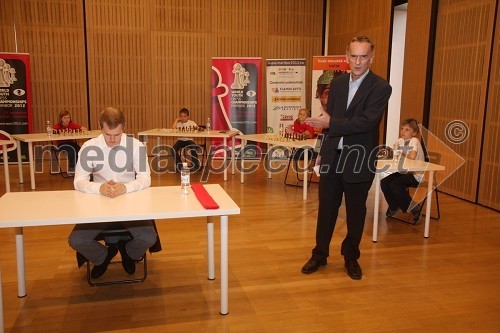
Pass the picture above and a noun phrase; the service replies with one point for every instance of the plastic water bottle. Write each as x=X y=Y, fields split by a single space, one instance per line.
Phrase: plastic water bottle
x=185 y=179
x=209 y=125
x=49 y=128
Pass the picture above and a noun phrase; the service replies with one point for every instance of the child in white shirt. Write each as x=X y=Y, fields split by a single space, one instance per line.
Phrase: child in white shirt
x=395 y=185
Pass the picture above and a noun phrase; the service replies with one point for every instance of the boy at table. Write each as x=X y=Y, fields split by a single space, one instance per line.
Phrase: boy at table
x=395 y=186
x=118 y=164
x=184 y=123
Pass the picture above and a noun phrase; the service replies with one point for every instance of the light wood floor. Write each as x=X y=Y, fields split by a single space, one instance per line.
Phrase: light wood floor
x=446 y=283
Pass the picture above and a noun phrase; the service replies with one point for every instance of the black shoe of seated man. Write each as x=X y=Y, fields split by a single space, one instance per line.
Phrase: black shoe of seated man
x=127 y=262
x=353 y=269
x=99 y=270
x=315 y=263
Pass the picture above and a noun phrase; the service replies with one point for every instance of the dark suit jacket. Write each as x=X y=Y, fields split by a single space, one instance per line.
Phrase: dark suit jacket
x=359 y=125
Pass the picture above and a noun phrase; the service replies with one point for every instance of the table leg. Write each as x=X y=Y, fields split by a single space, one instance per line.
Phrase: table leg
x=1 y=304
x=306 y=169
x=158 y=157
x=233 y=143
x=225 y=158
x=32 y=165
x=268 y=162
x=242 y=158
x=428 y=207
x=375 y=207
x=6 y=168
x=21 y=274
x=19 y=162
x=210 y=248
x=224 y=307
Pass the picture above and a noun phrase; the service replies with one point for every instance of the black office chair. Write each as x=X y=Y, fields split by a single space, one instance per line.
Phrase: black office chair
x=112 y=236
x=297 y=155
x=432 y=157
x=55 y=163
x=203 y=148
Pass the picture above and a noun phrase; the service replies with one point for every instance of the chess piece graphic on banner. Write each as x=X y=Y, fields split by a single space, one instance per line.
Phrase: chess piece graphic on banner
x=7 y=74
x=240 y=77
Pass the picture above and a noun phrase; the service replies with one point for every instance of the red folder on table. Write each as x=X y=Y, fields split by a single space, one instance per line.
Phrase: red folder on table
x=203 y=197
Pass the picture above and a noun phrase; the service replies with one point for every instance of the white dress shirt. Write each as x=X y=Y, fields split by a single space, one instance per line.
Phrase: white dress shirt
x=125 y=163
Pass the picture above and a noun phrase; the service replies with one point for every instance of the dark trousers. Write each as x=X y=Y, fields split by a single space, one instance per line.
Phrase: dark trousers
x=72 y=149
x=188 y=144
x=332 y=188
x=395 y=189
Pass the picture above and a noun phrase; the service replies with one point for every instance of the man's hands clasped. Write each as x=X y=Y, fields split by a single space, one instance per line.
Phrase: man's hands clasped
x=112 y=189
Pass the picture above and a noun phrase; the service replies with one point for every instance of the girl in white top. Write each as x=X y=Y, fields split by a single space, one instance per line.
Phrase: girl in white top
x=395 y=185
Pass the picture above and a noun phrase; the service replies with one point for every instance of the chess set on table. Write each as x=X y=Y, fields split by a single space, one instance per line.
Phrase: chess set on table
x=69 y=132
x=285 y=137
x=187 y=129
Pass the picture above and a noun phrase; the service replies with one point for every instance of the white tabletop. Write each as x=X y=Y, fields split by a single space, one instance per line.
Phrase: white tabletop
x=274 y=140
x=153 y=203
x=406 y=164
x=192 y=134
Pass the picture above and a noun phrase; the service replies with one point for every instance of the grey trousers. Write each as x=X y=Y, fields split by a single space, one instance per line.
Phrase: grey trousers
x=82 y=239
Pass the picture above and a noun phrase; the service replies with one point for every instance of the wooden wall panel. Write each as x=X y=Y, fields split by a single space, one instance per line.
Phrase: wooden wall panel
x=118 y=42
x=180 y=74
x=358 y=17
x=149 y=58
x=416 y=60
x=489 y=191
x=9 y=11
x=461 y=61
x=52 y=33
x=173 y=47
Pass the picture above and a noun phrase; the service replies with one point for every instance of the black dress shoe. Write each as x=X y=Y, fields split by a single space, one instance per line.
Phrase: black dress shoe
x=313 y=264
x=99 y=270
x=353 y=269
x=127 y=262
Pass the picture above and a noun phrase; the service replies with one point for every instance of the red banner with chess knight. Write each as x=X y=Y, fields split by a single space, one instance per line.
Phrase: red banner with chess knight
x=236 y=94
x=15 y=98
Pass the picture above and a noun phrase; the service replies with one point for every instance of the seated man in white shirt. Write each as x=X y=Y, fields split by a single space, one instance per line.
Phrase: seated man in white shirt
x=118 y=165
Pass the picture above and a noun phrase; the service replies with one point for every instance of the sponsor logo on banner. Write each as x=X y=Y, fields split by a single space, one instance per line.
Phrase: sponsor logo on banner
x=285 y=92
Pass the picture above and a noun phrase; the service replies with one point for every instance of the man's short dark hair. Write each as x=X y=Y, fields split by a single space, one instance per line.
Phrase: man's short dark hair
x=111 y=117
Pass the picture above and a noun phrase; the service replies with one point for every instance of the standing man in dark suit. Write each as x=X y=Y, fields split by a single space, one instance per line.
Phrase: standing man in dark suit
x=356 y=105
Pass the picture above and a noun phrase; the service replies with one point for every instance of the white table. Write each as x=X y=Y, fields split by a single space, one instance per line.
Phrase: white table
x=272 y=140
x=213 y=134
x=43 y=137
x=165 y=202
x=404 y=165
x=4 y=144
